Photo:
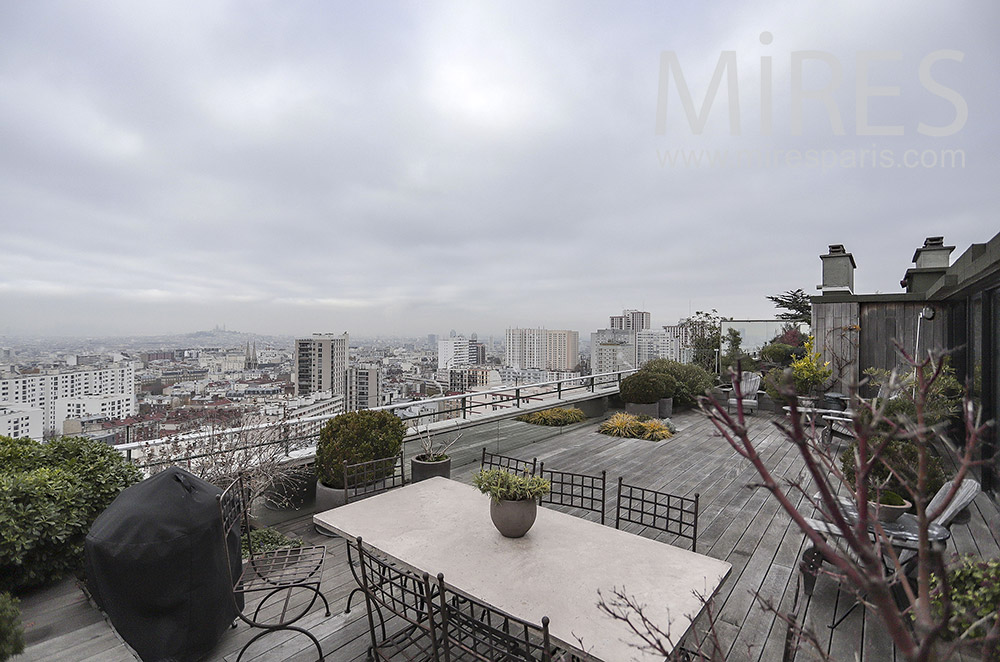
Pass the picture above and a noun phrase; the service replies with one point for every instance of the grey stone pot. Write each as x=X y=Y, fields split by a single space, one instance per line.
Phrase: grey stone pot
x=666 y=407
x=513 y=518
x=651 y=410
x=329 y=497
x=421 y=470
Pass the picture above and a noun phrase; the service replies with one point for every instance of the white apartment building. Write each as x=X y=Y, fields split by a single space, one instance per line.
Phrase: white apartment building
x=321 y=364
x=655 y=344
x=73 y=390
x=612 y=350
x=457 y=351
x=364 y=387
x=630 y=320
x=681 y=348
x=18 y=421
x=542 y=349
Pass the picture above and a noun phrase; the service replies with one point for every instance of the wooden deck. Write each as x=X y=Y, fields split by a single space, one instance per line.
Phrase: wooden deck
x=739 y=524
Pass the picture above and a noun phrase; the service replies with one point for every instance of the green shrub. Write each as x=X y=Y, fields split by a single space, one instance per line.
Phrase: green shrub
x=266 y=540
x=974 y=591
x=556 y=416
x=50 y=494
x=942 y=402
x=646 y=387
x=11 y=630
x=810 y=373
x=690 y=380
x=902 y=456
x=357 y=436
x=503 y=485
x=779 y=353
x=655 y=431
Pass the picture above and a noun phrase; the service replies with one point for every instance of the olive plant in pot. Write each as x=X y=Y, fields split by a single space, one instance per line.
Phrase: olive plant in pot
x=513 y=499
x=810 y=374
x=433 y=458
x=888 y=506
x=357 y=436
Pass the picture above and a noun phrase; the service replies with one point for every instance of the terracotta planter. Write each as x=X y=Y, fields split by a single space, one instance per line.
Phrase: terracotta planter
x=887 y=513
x=422 y=470
x=513 y=518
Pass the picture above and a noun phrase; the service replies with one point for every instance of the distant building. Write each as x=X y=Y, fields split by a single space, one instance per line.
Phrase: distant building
x=321 y=364
x=612 y=350
x=364 y=387
x=655 y=344
x=630 y=320
x=681 y=347
x=18 y=421
x=71 y=393
x=458 y=351
x=542 y=349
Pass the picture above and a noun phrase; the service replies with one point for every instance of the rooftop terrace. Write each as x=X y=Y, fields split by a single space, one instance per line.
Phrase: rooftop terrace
x=738 y=524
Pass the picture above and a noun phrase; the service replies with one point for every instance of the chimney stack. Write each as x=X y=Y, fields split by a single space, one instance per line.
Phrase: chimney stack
x=838 y=271
x=930 y=261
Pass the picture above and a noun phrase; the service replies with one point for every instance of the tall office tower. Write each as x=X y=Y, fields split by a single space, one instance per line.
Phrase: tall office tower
x=654 y=344
x=107 y=391
x=630 y=320
x=456 y=351
x=612 y=350
x=542 y=349
x=364 y=386
x=321 y=364
x=680 y=349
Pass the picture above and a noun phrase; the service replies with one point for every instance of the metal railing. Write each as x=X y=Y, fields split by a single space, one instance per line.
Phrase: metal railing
x=474 y=407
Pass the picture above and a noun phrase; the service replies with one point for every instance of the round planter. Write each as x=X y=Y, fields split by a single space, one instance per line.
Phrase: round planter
x=651 y=410
x=513 y=518
x=666 y=407
x=329 y=497
x=887 y=513
x=421 y=470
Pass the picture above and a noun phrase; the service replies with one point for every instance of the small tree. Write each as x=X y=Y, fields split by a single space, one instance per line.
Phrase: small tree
x=796 y=304
x=705 y=332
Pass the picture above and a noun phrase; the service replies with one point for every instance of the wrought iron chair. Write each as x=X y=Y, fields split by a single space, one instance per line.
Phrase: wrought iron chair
x=408 y=598
x=582 y=491
x=512 y=464
x=270 y=574
x=473 y=630
x=662 y=511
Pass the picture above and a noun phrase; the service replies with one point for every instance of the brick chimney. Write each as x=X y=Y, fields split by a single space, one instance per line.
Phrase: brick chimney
x=838 y=271
x=930 y=261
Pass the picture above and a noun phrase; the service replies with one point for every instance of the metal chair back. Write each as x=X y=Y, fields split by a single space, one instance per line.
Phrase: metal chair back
x=393 y=591
x=583 y=491
x=512 y=464
x=364 y=479
x=473 y=630
x=662 y=511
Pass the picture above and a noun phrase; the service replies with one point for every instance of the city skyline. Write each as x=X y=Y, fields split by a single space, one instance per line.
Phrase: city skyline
x=398 y=169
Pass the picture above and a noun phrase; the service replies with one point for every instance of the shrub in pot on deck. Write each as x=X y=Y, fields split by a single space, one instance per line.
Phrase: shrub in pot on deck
x=357 y=436
x=902 y=456
x=50 y=494
x=11 y=630
x=691 y=381
x=513 y=499
x=973 y=591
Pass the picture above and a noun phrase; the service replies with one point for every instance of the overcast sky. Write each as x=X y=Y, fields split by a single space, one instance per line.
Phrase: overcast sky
x=411 y=168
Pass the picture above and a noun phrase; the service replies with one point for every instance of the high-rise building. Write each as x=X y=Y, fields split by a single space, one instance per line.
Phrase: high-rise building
x=542 y=349
x=680 y=347
x=630 y=320
x=364 y=386
x=18 y=421
x=107 y=391
x=655 y=344
x=321 y=364
x=612 y=350
x=457 y=351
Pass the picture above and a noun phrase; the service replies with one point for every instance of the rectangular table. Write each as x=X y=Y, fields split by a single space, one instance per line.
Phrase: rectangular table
x=556 y=570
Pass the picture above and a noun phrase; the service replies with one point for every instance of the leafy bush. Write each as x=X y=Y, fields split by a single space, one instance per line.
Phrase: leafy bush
x=902 y=456
x=50 y=494
x=942 y=400
x=646 y=387
x=503 y=485
x=11 y=630
x=266 y=540
x=809 y=372
x=556 y=416
x=974 y=591
x=357 y=436
x=780 y=353
x=691 y=380
x=637 y=427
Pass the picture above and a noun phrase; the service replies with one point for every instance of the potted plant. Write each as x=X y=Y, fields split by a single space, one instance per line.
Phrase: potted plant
x=357 y=436
x=642 y=391
x=809 y=374
x=433 y=458
x=888 y=507
x=513 y=499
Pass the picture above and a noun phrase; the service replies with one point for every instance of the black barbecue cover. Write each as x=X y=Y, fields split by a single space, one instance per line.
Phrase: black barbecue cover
x=156 y=565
